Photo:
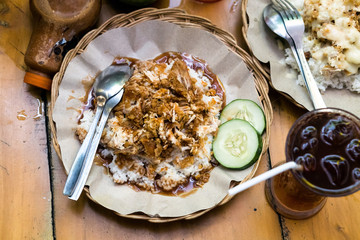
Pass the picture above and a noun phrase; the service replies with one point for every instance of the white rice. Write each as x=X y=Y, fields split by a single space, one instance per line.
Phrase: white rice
x=332 y=60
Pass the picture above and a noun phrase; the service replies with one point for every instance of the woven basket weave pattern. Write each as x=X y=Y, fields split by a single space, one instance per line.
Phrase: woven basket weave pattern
x=179 y=17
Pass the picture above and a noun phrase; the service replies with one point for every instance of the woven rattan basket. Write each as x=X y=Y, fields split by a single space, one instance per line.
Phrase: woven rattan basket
x=179 y=17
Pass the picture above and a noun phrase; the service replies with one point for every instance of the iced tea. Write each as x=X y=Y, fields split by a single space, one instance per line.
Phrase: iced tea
x=326 y=142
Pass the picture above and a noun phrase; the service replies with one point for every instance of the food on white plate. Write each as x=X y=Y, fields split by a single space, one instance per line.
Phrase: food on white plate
x=331 y=43
x=159 y=137
x=245 y=109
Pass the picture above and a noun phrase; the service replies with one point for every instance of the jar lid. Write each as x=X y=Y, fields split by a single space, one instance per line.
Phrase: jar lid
x=38 y=80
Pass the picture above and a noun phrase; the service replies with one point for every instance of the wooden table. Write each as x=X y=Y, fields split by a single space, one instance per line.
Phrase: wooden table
x=32 y=177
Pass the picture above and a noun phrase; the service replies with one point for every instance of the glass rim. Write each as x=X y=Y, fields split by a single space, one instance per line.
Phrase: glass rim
x=320 y=190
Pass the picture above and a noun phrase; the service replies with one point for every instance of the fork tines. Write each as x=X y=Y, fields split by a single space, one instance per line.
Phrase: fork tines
x=289 y=9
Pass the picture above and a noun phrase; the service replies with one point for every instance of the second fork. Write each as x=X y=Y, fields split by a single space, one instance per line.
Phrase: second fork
x=295 y=28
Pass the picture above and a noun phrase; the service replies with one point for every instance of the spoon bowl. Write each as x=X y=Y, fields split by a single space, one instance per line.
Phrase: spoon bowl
x=274 y=21
x=111 y=80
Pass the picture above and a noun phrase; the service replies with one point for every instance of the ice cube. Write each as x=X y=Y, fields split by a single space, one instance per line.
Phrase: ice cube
x=309 y=132
x=336 y=168
x=337 y=131
x=353 y=150
x=308 y=161
x=310 y=145
x=356 y=174
x=296 y=150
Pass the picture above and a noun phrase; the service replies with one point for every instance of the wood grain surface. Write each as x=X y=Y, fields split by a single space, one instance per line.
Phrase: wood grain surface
x=25 y=194
x=32 y=177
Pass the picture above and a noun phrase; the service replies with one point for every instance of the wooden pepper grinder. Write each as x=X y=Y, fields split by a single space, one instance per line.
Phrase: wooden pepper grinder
x=57 y=25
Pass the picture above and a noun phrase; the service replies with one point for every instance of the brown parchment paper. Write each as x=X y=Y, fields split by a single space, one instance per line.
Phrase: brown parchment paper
x=145 y=41
x=265 y=48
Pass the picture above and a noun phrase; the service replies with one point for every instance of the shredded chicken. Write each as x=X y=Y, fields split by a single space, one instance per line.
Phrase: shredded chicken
x=162 y=129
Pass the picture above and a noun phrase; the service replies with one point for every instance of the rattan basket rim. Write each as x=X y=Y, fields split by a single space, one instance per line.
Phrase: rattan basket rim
x=179 y=17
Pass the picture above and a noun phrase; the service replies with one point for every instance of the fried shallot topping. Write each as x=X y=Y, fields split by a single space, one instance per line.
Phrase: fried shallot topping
x=161 y=133
x=164 y=109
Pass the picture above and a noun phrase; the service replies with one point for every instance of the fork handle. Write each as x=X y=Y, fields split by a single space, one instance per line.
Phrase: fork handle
x=310 y=83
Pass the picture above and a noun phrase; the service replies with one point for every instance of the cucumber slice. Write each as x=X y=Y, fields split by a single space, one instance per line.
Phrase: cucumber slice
x=247 y=110
x=237 y=144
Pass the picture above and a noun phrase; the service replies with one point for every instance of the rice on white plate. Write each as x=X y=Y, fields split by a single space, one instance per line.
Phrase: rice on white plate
x=331 y=43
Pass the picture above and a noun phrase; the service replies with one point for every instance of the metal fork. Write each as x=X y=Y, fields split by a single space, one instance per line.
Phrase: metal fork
x=295 y=27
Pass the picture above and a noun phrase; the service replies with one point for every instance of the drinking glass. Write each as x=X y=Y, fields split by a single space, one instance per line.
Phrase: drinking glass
x=326 y=143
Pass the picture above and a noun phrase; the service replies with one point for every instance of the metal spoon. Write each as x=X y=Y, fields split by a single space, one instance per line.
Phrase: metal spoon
x=107 y=84
x=110 y=104
x=275 y=22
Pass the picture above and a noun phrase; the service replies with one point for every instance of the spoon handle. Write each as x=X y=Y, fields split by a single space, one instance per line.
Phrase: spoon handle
x=310 y=83
x=79 y=159
x=110 y=104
